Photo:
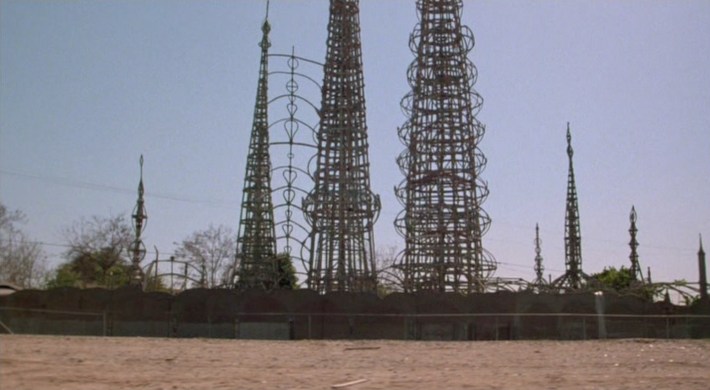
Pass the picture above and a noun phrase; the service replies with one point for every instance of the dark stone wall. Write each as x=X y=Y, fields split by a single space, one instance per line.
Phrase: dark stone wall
x=305 y=314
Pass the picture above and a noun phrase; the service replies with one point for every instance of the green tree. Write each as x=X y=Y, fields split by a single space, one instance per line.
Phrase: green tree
x=614 y=279
x=287 y=279
x=622 y=281
x=100 y=269
x=97 y=254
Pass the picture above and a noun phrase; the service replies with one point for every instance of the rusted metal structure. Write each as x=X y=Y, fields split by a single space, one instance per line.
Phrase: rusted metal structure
x=573 y=278
x=635 y=269
x=140 y=217
x=292 y=145
x=539 y=283
x=341 y=209
x=443 y=222
x=702 y=281
x=256 y=242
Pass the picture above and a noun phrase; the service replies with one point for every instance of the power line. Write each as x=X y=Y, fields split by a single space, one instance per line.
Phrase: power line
x=68 y=246
x=68 y=182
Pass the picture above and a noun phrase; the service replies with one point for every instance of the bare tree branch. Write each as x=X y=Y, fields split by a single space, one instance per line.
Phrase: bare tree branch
x=389 y=275
x=210 y=250
x=97 y=234
x=22 y=261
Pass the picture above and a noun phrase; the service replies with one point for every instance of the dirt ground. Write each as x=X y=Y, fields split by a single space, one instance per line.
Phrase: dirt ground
x=60 y=362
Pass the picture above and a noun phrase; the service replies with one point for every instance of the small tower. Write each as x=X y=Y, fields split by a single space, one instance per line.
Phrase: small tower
x=539 y=282
x=573 y=278
x=633 y=244
x=341 y=209
x=256 y=242
x=140 y=217
x=703 y=281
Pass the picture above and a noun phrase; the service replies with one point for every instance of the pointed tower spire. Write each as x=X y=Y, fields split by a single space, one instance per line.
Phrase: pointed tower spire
x=574 y=278
x=703 y=281
x=539 y=268
x=443 y=221
x=341 y=209
x=633 y=244
x=256 y=242
x=139 y=217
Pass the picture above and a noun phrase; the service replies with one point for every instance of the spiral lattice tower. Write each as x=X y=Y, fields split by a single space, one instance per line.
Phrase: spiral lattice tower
x=140 y=218
x=442 y=222
x=256 y=242
x=634 y=244
x=539 y=282
x=341 y=209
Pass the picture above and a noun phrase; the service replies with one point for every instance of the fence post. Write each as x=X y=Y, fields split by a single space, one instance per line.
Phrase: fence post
x=668 y=328
x=310 y=335
x=103 y=321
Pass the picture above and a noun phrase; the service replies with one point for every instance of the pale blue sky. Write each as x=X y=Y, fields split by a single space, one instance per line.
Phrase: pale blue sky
x=88 y=86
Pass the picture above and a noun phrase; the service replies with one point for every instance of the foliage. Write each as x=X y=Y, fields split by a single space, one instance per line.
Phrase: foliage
x=287 y=279
x=212 y=251
x=97 y=254
x=90 y=236
x=22 y=261
x=622 y=281
x=615 y=279
x=87 y=272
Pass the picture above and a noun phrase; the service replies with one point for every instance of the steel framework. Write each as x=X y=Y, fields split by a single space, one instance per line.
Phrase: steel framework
x=137 y=250
x=634 y=244
x=573 y=278
x=292 y=144
x=256 y=242
x=702 y=280
x=341 y=209
x=539 y=283
x=442 y=222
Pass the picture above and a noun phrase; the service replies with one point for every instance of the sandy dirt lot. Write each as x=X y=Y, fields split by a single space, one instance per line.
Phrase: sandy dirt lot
x=59 y=362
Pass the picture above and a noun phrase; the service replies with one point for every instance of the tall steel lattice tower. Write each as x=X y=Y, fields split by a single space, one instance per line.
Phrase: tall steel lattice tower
x=256 y=243
x=341 y=209
x=443 y=223
x=573 y=278
x=634 y=244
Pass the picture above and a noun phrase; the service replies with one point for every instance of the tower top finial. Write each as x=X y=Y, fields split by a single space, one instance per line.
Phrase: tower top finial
x=633 y=216
x=140 y=183
x=266 y=27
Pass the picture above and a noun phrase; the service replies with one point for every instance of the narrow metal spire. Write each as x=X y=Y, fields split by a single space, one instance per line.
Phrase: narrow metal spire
x=539 y=282
x=139 y=217
x=634 y=257
x=256 y=242
x=703 y=281
x=574 y=278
